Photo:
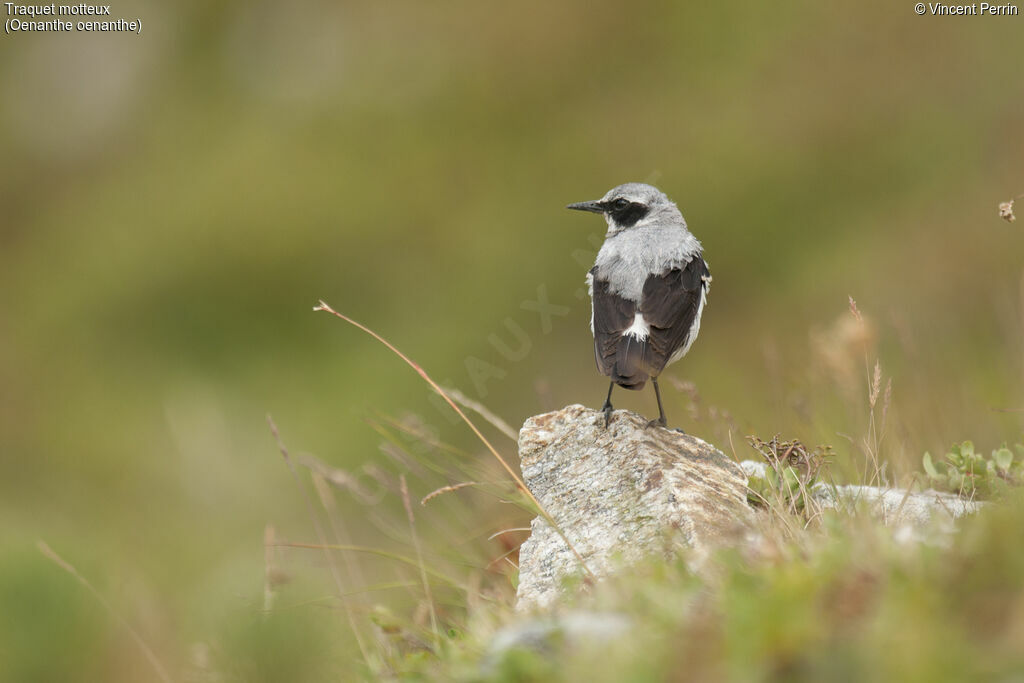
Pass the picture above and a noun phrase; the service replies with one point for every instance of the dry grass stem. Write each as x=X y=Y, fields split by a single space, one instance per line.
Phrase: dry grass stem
x=501 y=558
x=51 y=555
x=338 y=477
x=886 y=401
x=484 y=412
x=323 y=491
x=447 y=489
x=876 y=385
x=335 y=573
x=413 y=428
x=323 y=306
x=369 y=550
x=269 y=568
x=874 y=470
x=854 y=310
x=507 y=531
x=419 y=560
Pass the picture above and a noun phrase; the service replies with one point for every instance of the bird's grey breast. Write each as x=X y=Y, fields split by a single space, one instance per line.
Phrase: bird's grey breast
x=628 y=257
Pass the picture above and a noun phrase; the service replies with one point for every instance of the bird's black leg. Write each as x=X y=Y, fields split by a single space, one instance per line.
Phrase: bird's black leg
x=607 y=407
x=661 y=411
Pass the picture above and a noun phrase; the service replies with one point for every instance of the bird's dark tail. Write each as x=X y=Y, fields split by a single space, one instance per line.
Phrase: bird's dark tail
x=630 y=370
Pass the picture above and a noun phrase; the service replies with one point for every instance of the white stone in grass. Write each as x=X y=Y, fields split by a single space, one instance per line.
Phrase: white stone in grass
x=552 y=635
x=893 y=506
x=914 y=516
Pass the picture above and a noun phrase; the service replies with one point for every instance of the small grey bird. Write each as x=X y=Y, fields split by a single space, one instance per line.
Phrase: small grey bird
x=648 y=288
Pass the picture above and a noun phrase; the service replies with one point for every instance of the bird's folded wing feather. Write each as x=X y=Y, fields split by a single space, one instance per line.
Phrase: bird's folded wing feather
x=670 y=304
x=612 y=316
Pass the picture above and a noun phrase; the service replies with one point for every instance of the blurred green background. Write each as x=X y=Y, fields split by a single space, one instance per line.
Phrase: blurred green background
x=174 y=204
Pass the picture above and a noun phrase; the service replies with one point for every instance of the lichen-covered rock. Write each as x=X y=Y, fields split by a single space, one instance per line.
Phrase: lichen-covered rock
x=621 y=493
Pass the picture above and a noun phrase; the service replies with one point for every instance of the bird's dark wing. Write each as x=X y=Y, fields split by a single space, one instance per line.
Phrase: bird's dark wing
x=670 y=305
x=617 y=357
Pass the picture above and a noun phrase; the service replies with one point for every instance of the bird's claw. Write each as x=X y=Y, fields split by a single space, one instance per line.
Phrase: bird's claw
x=607 y=410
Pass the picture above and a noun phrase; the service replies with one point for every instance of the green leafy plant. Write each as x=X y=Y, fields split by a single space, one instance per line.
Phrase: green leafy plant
x=969 y=473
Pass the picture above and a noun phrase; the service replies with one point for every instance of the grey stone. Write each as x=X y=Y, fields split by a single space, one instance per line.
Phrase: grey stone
x=620 y=494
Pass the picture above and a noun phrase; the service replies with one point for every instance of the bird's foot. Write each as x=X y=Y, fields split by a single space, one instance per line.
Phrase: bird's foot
x=661 y=422
x=677 y=429
x=607 y=410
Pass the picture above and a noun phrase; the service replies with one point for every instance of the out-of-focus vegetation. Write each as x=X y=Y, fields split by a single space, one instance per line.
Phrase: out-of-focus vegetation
x=174 y=204
x=969 y=473
x=853 y=603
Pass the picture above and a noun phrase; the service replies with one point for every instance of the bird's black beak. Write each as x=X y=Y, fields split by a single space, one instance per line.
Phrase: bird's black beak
x=595 y=207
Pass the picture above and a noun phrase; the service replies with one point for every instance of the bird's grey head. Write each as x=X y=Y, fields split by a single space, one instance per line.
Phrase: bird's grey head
x=634 y=205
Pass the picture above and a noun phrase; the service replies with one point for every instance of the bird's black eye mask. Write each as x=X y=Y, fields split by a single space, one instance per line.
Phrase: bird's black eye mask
x=625 y=212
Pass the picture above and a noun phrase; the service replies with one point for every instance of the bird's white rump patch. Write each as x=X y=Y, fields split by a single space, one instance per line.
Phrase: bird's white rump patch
x=639 y=330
